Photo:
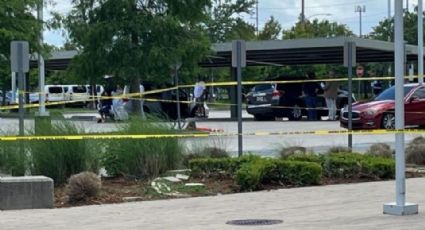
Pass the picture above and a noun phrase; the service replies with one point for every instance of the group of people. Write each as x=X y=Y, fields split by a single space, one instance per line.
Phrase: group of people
x=110 y=100
x=330 y=93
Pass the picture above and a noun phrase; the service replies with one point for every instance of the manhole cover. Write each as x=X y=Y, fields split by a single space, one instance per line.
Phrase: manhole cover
x=251 y=222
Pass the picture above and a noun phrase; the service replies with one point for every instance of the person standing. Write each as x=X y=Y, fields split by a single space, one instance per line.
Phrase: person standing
x=330 y=94
x=198 y=93
x=310 y=90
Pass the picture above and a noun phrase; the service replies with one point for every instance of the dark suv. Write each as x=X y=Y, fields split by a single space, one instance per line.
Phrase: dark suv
x=268 y=101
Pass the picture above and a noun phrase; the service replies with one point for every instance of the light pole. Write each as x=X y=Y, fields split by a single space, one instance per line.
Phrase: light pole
x=360 y=9
x=41 y=72
x=420 y=42
x=400 y=207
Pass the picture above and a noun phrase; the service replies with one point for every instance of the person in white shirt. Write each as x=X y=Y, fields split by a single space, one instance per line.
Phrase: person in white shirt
x=198 y=93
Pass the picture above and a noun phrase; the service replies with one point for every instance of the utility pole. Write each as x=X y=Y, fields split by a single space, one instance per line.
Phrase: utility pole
x=420 y=42
x=302 y=12
x=360 y=9
x=389 y=18
x=407 y=5
x=256 y=17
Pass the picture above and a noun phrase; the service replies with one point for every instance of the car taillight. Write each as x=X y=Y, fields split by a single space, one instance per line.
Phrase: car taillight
x=276 y=94
x=125 y=99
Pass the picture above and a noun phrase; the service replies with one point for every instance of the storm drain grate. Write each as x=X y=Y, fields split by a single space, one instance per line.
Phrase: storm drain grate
x=251 y=222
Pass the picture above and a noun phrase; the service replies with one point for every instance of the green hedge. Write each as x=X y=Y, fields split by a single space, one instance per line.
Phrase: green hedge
x=218 y=166
x=350 y=165
x=251 y=172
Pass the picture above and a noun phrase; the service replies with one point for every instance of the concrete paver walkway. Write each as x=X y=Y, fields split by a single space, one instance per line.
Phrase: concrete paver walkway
x=351 y=206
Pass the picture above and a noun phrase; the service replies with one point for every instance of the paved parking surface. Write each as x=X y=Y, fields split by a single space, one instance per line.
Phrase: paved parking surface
x=348 y=207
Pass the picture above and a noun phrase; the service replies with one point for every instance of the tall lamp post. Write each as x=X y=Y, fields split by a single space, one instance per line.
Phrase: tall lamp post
x=41 y=72
x=360 y=9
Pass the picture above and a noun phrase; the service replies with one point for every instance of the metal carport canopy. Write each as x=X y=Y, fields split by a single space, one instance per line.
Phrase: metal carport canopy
x=307 y=51
x=279 y=52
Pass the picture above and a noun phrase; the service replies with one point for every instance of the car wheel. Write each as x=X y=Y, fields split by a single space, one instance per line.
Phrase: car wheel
x=295 y=114
x=388 y=121
x=259 y=117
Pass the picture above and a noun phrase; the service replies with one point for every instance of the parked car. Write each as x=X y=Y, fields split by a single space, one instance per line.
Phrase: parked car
x=379 y=112
x=268 y=101
x=165 y=106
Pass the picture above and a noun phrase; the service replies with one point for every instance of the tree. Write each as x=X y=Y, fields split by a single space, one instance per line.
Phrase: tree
x=17 y=22
x=385 y=28
x=135 y=39
x=271 y=30
x=224 y=22
x=315 y=29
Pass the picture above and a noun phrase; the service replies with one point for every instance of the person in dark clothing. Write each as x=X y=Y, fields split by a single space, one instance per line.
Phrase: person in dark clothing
x=376 y=87
x=105 y=105
x=310 y=90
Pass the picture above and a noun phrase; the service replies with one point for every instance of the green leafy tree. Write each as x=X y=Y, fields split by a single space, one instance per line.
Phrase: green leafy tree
x=225 y=23
x=137 y=39
x=385 y=28
x=17 y=22
x=271 y=30
x=316 y=29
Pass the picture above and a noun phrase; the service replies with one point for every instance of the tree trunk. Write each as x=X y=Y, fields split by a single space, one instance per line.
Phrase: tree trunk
x=135 y=80
x=135 y=88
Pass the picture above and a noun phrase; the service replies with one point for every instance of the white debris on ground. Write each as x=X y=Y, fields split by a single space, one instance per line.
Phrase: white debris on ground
x=163 y=185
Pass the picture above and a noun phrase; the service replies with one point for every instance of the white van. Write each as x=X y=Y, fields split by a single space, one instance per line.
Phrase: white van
x=76 y=93
x=54 y=93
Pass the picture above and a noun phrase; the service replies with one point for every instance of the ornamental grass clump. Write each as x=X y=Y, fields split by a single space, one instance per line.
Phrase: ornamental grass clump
x=415 y=151
x=59 y=159
x=143 y=158
x=82 y=186
x=381 y=150
x=13 y=157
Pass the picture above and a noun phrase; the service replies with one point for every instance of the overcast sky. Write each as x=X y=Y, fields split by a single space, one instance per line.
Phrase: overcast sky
x=287 y=12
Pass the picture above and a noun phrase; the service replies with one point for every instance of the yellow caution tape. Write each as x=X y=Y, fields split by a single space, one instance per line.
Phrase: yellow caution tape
x=204 y=135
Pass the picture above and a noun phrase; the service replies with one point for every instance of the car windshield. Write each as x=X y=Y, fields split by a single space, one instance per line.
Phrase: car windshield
x=262 y=87
x=389 y=94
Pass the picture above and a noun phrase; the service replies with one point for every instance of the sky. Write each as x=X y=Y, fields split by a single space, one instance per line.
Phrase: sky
x=286 y=12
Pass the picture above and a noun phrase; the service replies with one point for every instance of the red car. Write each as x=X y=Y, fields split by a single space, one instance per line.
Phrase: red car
x=379 y=112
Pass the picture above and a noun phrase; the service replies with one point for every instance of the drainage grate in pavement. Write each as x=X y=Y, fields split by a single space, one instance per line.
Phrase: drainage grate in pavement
x=251 y=222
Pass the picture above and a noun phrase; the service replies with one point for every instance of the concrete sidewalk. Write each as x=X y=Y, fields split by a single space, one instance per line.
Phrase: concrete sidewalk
x=353 y=206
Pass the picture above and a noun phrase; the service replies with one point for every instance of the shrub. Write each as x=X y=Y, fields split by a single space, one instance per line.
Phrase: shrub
x=309 y=157
x=250 y=175
x=295 y=173
x=339 y=149
x=212 y=152
x=142 y=158
x=380 y=149
x=219 y=166
x=59 y=159
x=415 y=151
x=354 y=165
x=82 y=186
x=292 y=150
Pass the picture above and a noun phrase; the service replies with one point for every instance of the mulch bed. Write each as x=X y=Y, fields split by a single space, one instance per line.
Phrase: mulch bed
x=116 y=190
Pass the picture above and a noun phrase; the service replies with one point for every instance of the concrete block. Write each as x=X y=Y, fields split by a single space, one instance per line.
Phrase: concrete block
x=28 y=192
